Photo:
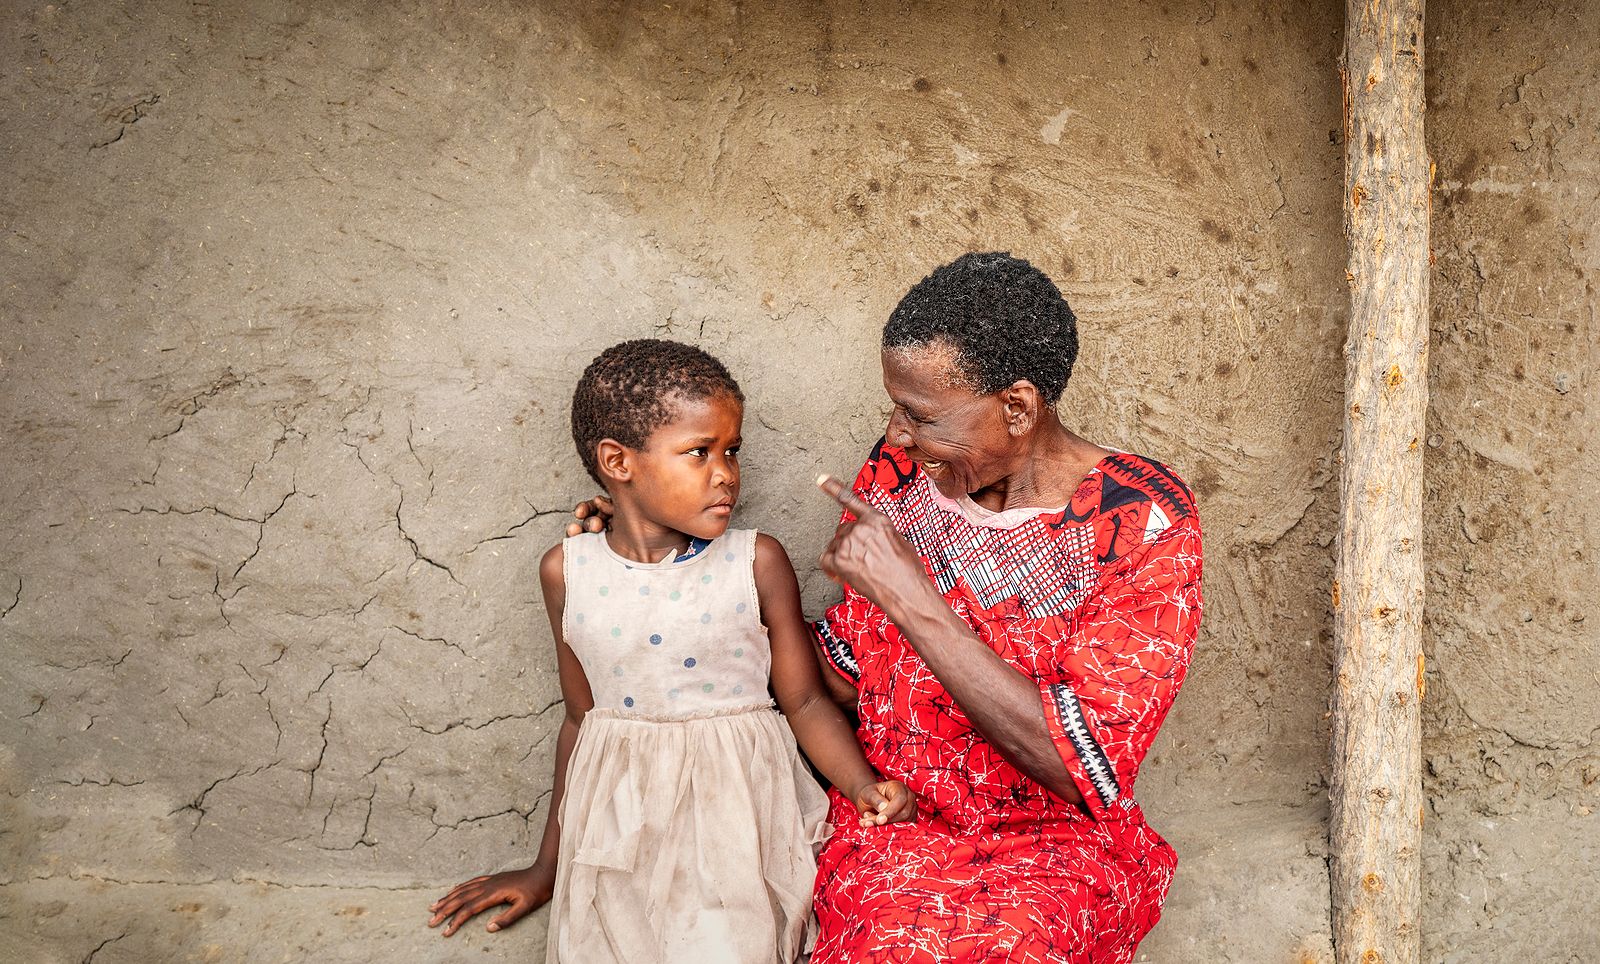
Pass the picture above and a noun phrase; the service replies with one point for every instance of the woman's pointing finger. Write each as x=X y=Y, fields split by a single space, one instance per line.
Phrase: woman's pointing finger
x=840 y=493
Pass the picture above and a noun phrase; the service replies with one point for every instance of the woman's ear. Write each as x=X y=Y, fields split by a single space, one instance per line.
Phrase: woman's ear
x=615 y=460
x=1021 y=406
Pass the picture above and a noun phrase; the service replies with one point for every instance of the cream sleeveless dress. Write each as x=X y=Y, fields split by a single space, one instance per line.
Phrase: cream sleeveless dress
x=689 y=825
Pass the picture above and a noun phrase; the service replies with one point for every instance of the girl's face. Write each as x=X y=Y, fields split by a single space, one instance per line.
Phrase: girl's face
x=688 y=472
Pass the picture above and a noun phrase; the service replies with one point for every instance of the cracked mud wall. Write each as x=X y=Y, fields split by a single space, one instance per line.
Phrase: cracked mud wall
x=293 y=299
x=1513 y=710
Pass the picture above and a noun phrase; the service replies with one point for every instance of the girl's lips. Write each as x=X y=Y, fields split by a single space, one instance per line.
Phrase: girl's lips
x=721 y=508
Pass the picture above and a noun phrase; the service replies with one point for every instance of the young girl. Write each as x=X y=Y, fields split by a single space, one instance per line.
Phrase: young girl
x=683 y=818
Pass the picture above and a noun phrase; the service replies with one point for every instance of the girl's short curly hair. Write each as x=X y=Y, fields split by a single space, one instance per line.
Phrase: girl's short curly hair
x=633 y=388
x=1005 y=319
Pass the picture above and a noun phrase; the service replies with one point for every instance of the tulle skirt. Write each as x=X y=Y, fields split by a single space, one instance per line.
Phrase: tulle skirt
x=686 y=839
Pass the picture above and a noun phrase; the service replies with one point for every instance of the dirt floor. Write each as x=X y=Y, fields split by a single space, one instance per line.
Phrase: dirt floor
x=292 y=297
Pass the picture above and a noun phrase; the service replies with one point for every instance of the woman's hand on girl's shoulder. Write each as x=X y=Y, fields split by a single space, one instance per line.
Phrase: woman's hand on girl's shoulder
x=593 y=515
x=888 y=801
x=525 y=890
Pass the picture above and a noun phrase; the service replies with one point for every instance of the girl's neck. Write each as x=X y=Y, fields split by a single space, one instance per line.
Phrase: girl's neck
x=632 y=536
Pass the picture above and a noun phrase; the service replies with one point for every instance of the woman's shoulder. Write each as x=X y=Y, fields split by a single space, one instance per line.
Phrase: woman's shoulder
x=1137 y=501
x=1128 y=477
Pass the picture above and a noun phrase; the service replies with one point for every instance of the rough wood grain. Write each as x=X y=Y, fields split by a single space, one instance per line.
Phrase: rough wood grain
x=1377 y=781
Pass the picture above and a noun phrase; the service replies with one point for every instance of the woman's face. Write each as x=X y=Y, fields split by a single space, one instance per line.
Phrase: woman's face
x=959 y=438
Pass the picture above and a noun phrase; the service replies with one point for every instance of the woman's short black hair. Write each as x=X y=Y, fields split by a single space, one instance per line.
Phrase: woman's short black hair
x=633 y=388
x=1006 y=320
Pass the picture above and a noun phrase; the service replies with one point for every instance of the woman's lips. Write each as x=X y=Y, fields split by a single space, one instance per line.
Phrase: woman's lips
x=928 y=465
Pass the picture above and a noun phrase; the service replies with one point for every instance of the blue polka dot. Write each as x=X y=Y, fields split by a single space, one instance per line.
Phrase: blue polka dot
x=605 y=590
x=738 y=689
x=627 y=701
x=655 y=639
x=582 y=560
x=616 y=671
x=705 y=617
x=578 y=617
x=616 y=630
x=672 y=694
x=689 y=662
x=708 y=687
x=676 y=595
x=644 y=590
x=740 y=608
x=706 y=578
x=728 y=556
x=739 y=651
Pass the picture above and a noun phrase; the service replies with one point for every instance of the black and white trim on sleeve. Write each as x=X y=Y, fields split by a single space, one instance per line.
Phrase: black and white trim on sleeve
x=839 y=652
x=1095 y=761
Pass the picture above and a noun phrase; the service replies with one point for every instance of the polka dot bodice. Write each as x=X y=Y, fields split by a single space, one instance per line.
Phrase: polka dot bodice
x=667 y=639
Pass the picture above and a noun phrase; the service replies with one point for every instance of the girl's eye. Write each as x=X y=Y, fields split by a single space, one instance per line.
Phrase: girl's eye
x=733 y=453
x=698 y=453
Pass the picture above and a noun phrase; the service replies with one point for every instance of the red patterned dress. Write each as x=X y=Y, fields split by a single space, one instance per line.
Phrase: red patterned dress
x=1099 y=602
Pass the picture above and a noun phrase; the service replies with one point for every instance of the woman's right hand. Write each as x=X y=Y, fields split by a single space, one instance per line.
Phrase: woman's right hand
x=593 y=516
x=525 y=890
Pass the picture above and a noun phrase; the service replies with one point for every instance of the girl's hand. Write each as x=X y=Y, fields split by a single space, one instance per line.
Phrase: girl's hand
x=525 y=890
x=870 y=555
x=593 y=516
x=888 y=802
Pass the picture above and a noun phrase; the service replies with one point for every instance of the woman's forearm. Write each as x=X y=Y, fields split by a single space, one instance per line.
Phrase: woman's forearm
x=1002 y=703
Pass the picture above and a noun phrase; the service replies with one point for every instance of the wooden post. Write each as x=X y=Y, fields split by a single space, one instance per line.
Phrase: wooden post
x=1376 y=822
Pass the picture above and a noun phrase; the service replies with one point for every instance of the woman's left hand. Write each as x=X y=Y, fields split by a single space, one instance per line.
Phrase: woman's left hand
x=869 y=554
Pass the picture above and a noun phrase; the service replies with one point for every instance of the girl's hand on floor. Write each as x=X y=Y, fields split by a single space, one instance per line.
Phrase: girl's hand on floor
x=593 y=516
x=525 y=890
x=888 y=802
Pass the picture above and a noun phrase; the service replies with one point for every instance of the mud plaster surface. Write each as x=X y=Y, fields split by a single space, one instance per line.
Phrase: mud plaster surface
x=294 y=294
x=1512 y=711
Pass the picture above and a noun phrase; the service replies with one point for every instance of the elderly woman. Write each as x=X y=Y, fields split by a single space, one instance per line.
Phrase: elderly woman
x=1020 y=607
x=1019 y=610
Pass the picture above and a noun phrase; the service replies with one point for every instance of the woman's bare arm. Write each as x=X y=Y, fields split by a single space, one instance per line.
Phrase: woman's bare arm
x=1002 y=703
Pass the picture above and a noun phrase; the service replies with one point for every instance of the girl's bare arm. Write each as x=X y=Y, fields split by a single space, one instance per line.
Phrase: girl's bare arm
x=531 y=888
x=818 y=724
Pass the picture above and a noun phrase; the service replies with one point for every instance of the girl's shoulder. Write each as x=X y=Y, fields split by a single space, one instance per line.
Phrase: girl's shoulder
x=753 y=548
x=552 y=566
x=765 y=546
